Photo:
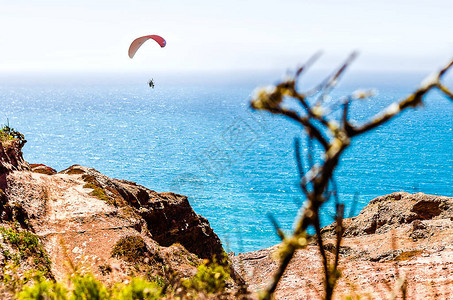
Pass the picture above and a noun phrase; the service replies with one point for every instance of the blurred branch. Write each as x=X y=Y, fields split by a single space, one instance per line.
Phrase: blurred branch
x=334 y=136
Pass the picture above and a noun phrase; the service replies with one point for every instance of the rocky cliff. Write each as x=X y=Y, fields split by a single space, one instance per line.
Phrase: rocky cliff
x=395 y=235
x=81 y=219
x=11 y=159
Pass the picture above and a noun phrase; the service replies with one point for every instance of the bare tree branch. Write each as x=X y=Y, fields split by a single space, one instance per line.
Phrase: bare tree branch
x=334 y=137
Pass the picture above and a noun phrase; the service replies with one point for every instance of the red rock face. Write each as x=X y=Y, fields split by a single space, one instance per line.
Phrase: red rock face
x=11 y=159
x=391 y=211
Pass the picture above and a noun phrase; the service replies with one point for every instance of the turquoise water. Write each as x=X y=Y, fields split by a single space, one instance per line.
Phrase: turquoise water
x=196 y=136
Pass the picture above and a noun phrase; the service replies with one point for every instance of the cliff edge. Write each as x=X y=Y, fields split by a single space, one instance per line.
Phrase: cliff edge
x=81 y=220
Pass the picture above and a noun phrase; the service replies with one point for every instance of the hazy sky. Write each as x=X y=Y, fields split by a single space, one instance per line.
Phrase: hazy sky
x=229 y=35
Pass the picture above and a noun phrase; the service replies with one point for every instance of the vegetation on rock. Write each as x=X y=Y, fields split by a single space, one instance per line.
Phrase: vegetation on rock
x=98 y=192
x=211 y=278
x=25 y=245
x=8 y=135
x=130 y=248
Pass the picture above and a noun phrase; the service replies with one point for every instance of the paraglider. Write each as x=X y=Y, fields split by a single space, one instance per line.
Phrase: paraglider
x=138 y=42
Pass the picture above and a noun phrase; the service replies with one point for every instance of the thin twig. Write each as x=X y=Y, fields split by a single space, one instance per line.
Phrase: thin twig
x=277 y=227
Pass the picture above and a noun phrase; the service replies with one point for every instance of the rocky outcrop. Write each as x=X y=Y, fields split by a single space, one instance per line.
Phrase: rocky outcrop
x=87 y=213
x=11 y=159
x=395 y=235
x=100 y=224
x=391 y=211
x=167 y=217
x=43 y=169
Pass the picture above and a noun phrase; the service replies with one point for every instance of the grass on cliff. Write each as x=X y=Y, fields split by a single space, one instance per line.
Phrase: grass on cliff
x=8 y=135
x=211 y=278
x=209 y=282
x=88 y=287
x=25 y=246
x=5 y=134
x=99 y=191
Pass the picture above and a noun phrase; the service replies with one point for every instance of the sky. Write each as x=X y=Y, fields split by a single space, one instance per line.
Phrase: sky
x=87 y=35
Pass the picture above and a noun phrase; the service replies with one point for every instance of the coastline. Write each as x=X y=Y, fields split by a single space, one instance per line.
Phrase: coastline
x=81 y=215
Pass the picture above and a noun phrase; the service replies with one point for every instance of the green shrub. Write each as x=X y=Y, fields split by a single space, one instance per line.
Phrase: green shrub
x=130 y=248
x=157 y=279
x=12 y=280
x=211 y=278
x=28 y=245
x=87 y=287
x=5 y=133
x=8 y=134
x=138 y=289
x=43 y=289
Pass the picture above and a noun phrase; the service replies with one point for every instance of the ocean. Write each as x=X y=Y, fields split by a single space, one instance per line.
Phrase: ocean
x=194 y=134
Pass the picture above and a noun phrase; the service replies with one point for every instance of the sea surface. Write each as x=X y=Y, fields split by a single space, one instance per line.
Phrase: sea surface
x=195 y=134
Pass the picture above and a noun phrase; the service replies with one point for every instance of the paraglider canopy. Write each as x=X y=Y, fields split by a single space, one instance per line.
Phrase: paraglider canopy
x=137 y=43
